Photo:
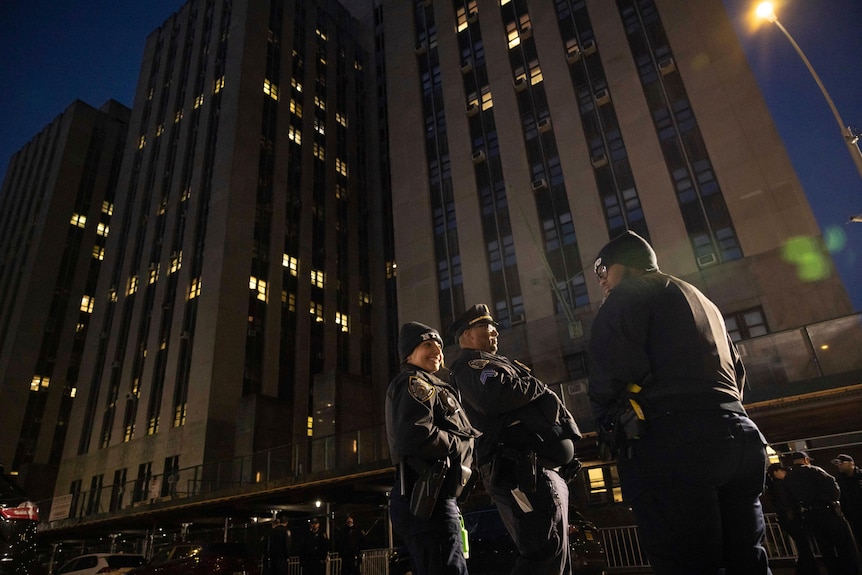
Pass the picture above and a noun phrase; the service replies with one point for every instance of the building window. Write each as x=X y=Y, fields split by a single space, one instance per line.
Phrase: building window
x=195 y=288
x=99 y=253
x=176 y=262
x=107 y=208
x=577 y=365
x=79 y=220
x=39 y=382
x=290 y=263
x=133 y=285
x=154 y=273
x=316 y=310
x=219 y=84
x=259 y=285
x=391 y=270
x=199 y=101
x=295 y=135
x=342 y=320
x=295 y=108
x=103 y=229
x=746 y=324
x=318 y=278
x=180 y=415
x=87 y=304
x=270 y=89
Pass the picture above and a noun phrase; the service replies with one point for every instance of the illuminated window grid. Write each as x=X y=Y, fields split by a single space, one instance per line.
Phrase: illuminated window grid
x=218 y=85
x=176 y=262
x=391 y=270
x=199 y=101
x=343 y=320
x=133 y=285
x=79 y=220
x=295 y=108
x=294 y=134
x=341 y=119
x=319 y=151
x=153 y=425
x=296 y=84
x=320 y=103
x=178 y=116
x=154 y=273
x=364 y=298
x=194 y=288
x=318 y=278
x=341 y=167
x=38 y=382
x=103 y=229
x=316 y=309
x=99 y=253
x=290 y=263
x=180 y=415
x=270 y=89
x=258 y=285
x=142 y=141
x=107 y=208
x=289 y=300
x=128 y=433
x=87 y=303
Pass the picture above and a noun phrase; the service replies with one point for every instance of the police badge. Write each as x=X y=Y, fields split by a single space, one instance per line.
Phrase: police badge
x=420 y=389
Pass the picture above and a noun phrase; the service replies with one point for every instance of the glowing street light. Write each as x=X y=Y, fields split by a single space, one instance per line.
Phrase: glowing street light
x=766 y=12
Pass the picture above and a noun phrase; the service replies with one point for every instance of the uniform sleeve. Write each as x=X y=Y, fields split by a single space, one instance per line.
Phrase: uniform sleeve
x=415 y=433
x=495 y=388
x=618 y=350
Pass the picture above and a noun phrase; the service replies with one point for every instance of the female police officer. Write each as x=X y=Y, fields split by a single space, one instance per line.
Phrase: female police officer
x=431 y=445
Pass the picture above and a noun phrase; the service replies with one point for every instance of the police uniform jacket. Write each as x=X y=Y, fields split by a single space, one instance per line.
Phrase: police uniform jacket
x=663 y=334
x=425 y=421
x=509 y=405
x=851 y=493
x=811 y=487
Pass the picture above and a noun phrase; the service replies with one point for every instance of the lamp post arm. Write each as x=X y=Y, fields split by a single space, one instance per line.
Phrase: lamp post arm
x=846 y=132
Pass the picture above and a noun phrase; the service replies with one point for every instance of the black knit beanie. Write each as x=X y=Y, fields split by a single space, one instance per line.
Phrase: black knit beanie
x=412 y=334
x=628 y=249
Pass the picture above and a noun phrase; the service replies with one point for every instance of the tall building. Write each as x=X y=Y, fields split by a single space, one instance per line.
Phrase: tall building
x=244 y=299
x=529 y=133
x=56 y=206
x=248 y=298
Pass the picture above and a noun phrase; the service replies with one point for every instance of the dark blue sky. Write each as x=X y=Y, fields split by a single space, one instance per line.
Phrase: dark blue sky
x=52 y=53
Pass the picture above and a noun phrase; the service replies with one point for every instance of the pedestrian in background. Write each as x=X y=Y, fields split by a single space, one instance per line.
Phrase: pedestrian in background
x=849 y=479
x=789 y=519
x=816 y=495
x=314 y=549
x=430 y=439
x=665 y=387
x=349 y=544
x=277 y=544
x=526 y=452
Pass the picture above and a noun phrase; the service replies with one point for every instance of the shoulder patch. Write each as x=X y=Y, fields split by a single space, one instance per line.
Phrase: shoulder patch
x=420 y=389
x=478 y=363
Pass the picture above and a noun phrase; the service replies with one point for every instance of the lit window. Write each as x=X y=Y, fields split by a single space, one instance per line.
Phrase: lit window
x=187 y=193
x=180 y=415
x=73 y=392
x=316 y=310
x=79 y=220
x=133 y=285
x=512 y=35
x=154 y=273
x=463 y=14
x=295 y=108
x=112 y=295
x=341 y=119
x=178 y=116
x=341 y=166
x=319 y=151
x=199 y=101
x=294 y=83
x=103 y=229
x=176 y=262
x=504 y=2
x=535 y=75
x=99 y=253
x=142 y=142
x=320 y=127
x=258 y=285
x=128 y=433
x=289 y=299
x=364 y=298
x=87 y=304
x=321 y=34
x=487 y=102
x=153 y=426
x=38 y=382
x=318 y=278
x=218 y=85
x=357 y=65
x=270 y=89
x=341 y=192
x=290 y=263
x=160 y=129
x=310 y=427
x=107 y=208
x=195 y=288
x=320 y=103
x=342 y=320
x=295 y=135
x=80 y=327
x=391 y=270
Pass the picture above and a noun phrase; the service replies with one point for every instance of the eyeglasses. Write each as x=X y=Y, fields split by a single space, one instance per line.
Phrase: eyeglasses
x=602 y=272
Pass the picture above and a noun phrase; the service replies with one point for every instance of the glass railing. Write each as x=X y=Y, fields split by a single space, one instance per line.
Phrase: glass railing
x=811 y=358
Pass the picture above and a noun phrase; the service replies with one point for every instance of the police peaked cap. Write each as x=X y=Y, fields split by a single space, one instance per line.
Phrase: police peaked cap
x=412 y=334
x=628 y=249
x=479 y=314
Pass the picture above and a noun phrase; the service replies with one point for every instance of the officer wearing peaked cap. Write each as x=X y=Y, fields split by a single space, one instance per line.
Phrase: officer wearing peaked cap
x=526 y=447
x=427 y=431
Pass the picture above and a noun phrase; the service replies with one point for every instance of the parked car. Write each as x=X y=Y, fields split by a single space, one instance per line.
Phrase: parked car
x=18 y=520
x=101 y=563
x=200 y=559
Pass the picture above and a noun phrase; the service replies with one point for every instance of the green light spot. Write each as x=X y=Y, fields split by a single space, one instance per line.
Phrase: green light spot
x=807 y=255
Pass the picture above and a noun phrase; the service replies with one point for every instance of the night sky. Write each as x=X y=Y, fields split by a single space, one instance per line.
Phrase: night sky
x=52 y=53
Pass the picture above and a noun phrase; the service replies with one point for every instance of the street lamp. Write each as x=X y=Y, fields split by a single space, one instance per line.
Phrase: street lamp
x=765 y=11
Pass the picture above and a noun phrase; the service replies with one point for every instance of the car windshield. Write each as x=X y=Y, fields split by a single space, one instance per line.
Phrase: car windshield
x=117 y=561
x=10 y=490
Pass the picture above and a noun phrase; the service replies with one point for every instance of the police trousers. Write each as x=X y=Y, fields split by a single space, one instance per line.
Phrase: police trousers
x=694 y=482
x=538 y=523
x=434 y=543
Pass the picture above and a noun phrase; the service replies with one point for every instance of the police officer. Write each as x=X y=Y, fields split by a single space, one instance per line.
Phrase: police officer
x=429 y=433
x=816 y=495
x=665 y=387
x=789 y=519
x=849 y=479
x=527 y=441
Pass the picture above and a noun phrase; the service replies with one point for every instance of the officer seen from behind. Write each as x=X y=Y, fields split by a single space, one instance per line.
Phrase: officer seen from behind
x=665 y=388
x=816 y=494
x=527 y=444
x=431 y=445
